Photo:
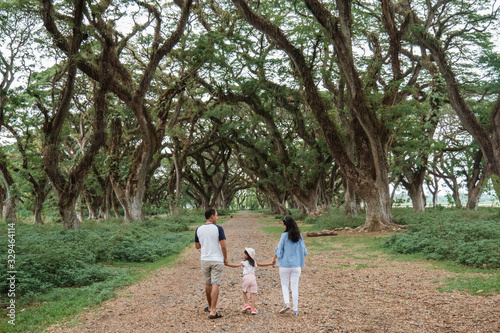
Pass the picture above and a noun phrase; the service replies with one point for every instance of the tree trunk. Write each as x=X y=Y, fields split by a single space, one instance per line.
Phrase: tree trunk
x=418 y=199
x=131 y=204
x=306 y=203
x=350 y=206
x=9 y=203
x=115 y=205
x=475 y=183
x=175 y=199
x=433 y=186
x=173 y=204
x=91 y=210
x=451 y=182
x=68 y=214
x=9 y=210
x=473 y=198
x=79 y=209
x=260 y=200
x=456 y=195
x=3 y=195
x=417 y=196
x=376 y=215
x=320 y=233
x=37 y=210
x=456 y=198
x=108 y=192
x=378 y=210
x=135 y=212
x=205 y=203
x=278 y=208
x=496 y=185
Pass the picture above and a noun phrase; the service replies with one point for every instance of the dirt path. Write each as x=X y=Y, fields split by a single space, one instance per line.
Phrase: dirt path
x=339 y=292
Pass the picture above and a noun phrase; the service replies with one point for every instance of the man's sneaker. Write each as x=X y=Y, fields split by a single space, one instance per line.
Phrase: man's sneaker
x=246 y=307
x=285 y=308
x=295 y=313
x=254 y=311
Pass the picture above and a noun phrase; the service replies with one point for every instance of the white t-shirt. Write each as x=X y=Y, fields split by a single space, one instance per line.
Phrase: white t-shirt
x=209 y=236
x=247 y=268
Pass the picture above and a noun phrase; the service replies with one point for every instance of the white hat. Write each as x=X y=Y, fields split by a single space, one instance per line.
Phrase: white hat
x=251 y=252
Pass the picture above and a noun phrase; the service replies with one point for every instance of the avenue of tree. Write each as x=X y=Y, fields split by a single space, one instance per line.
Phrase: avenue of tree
x=120 y=105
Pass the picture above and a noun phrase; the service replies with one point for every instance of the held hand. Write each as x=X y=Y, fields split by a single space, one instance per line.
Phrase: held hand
x=274 y=261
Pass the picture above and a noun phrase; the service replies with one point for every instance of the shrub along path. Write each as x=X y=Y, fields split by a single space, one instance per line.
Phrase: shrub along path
x=342 y=289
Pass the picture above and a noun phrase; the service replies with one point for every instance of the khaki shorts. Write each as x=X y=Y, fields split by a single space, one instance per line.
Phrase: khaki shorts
x=212 y=271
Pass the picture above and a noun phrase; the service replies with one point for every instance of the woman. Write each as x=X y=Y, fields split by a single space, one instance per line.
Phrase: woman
x=290 y=254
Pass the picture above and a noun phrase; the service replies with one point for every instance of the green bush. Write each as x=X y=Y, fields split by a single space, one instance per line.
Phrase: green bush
x=54 y=259
x=468 y=238
x=226 y=212
x=48 y=257
x=148 y=249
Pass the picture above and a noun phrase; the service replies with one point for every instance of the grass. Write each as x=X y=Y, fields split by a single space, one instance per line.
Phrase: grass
x=319 y=245
x=473 y=284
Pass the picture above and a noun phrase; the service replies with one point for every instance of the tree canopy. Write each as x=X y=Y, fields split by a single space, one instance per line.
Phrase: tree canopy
x=134 y=107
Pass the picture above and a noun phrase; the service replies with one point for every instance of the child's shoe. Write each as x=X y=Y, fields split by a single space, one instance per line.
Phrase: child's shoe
x=254 y=311
x=246 y=307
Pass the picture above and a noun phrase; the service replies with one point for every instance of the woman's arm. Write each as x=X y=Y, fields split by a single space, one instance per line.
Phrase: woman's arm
x=262 y=265
x=272 y=263
x=280 y=248
x=304 y=249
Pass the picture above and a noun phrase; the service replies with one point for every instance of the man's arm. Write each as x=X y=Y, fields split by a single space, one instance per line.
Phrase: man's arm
x=197 y=244
x=224 y=250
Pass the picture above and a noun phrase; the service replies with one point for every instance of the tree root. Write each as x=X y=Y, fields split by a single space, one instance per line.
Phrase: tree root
x=388 y=226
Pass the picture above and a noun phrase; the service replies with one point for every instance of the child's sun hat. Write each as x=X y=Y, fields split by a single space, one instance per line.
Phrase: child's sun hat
x=251 y=252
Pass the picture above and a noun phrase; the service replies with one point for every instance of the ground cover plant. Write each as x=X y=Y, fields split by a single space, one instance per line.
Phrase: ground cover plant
x=470 y=238
x=61 y=272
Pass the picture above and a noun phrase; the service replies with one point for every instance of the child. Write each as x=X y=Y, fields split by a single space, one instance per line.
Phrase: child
x=249 y=281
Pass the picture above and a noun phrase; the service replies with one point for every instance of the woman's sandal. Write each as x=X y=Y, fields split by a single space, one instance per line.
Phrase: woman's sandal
x=217 y=315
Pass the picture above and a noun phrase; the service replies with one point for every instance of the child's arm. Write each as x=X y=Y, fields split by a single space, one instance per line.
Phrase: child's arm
x=231 y=265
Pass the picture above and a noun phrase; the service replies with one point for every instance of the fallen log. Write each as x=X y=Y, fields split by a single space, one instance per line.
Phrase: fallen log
x=321 y=233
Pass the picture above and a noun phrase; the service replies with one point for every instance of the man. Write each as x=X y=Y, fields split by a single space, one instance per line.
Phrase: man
x=210 y=238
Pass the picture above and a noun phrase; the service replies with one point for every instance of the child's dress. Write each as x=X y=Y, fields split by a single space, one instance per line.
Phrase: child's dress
x=249 y=281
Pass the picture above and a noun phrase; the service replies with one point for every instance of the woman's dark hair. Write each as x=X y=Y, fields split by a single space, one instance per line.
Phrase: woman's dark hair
x=250 y=260
x=292 y=229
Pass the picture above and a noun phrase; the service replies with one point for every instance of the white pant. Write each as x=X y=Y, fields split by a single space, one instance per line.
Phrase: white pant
x=291 y=275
